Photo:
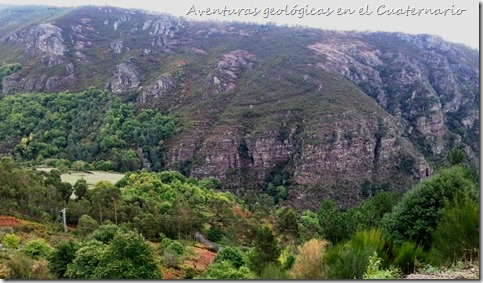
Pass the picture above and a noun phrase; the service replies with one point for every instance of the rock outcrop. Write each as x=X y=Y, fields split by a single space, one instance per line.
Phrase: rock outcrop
x=18 y=83
x=228 y=70
x=418 y=90
x=125 y=79
x=156 y=94
x=46 y=38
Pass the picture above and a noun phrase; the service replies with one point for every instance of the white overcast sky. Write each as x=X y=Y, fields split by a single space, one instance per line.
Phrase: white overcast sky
x=463 y=28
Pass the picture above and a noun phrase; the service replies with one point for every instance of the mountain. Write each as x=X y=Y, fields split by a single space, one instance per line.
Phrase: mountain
x=323 y=113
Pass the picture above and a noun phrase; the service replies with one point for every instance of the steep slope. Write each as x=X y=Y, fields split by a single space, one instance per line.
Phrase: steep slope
x=319 y=111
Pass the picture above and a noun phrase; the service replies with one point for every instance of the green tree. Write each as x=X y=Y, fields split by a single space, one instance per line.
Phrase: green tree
x=332 y=222
x=128 y=256
x=80 y=188
x=8 y=69
x=87 y=259
x=79 y=165
x=214 y=234
x=421 y=208
x=105 y=200
x=369 y=213
x=287 y=223
x=104 y=233
x=65 y=190
x=266 y=250
x=309 y=225
x=62 y=256
x=86 y=225
x=75 y=210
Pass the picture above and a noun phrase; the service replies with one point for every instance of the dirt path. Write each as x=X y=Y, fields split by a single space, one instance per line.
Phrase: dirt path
x=464 y=273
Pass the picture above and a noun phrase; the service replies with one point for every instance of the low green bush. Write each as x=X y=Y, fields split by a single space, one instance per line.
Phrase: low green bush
x=408 y=256
x=374 y=270
x=233 y=255
x=37 y=249
x=175 y=247
x=457 y=237
x=11 y=241
x=349 y=259
x=225 y=270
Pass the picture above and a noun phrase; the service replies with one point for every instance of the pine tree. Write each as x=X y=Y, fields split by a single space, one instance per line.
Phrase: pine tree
x=266 y=250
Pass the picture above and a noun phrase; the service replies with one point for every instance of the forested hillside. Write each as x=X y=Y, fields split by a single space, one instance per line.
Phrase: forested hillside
x=318 y=112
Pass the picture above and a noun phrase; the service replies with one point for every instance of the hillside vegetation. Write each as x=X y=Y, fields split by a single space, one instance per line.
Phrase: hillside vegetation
x=146 y=224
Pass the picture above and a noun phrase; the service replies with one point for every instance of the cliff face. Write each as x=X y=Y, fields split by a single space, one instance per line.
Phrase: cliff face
x=419 y=86
x=324 y=108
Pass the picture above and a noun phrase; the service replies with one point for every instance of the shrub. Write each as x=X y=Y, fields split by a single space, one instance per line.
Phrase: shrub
x=37 y=249
x=225 y=270
x=407 y=257
x=40 y=270
x=11 y=241
x=171 y=259
x=421 y=208
x=233 y=255
x=349 y=260
x=374 y=270
x=457 y=235
x=308 y=264
x=287 y=259
x=274 y=271
x=19 y=267
x=104 y=233
x=214 y=234
x=62 y=256
x=175 y=247
x=22 y=267
x=165 y=242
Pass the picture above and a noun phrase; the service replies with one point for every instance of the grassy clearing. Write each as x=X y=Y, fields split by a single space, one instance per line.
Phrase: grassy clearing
x=92 y=177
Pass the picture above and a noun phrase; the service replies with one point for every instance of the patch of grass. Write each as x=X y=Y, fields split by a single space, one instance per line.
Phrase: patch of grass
x=91 y=177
